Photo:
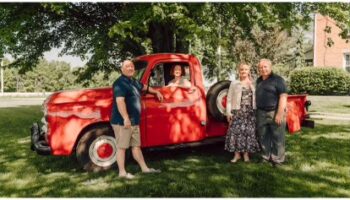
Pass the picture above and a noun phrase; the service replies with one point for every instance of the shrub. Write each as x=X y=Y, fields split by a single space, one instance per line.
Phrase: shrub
x=319 y=81
x=282 y=70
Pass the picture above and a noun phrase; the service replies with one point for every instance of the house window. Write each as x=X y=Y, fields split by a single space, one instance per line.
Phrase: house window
x=347 y=61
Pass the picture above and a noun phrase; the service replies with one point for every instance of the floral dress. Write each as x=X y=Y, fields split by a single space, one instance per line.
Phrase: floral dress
x=241 y=134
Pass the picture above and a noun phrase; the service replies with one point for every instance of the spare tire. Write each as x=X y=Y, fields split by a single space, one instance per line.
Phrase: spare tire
x=216 y=100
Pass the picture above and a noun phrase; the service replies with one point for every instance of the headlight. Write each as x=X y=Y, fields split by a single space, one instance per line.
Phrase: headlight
x=44 y=120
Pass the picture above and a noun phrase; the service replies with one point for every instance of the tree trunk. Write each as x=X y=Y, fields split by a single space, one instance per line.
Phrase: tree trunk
x=135 y=48
x=182 y=46
x=162 y=36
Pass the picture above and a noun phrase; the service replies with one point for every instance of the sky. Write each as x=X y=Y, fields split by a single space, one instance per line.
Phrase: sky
x=52 y=55
x=72 y=60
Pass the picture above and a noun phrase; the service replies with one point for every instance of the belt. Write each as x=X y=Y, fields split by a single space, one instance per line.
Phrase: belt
x=268 y=109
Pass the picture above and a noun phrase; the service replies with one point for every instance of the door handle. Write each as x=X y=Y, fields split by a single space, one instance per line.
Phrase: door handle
x=191 y=91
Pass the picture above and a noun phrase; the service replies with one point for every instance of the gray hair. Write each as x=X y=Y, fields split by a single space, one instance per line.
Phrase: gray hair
x=268 y=61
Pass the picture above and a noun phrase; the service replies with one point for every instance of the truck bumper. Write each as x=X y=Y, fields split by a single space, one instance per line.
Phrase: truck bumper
x=38 y=142
x=308 y=123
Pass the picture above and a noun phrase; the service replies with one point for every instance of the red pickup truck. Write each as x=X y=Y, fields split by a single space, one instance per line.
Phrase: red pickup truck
x=77 y=121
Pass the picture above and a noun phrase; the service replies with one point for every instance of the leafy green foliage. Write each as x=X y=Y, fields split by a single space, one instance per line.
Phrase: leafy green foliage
x=275 y=44
x=320 y=81
x=107 y=33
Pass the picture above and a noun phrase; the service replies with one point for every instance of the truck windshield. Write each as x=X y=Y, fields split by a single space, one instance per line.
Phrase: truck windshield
x=140 y=67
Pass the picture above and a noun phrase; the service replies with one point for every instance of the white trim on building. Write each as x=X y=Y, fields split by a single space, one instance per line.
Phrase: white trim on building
x=315 y=30
x=346 y=62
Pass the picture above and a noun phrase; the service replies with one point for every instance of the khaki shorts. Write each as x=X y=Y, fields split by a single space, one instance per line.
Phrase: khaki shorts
x=127 y=137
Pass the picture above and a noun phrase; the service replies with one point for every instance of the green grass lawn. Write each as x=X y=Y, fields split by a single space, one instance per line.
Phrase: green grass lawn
x=318 y=166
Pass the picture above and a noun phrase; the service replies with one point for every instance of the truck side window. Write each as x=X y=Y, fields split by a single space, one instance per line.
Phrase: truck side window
x=157 y=76
x=187 y=72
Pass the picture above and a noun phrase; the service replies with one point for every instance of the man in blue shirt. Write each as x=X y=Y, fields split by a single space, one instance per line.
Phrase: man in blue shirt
x=125 y=117
x=271 y=102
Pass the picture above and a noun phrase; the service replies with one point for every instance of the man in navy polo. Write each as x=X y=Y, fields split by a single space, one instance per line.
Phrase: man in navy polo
x=271 y=102
x=125 y=117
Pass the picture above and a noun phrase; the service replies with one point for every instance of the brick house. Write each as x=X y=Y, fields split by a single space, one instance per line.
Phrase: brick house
x=337 y=55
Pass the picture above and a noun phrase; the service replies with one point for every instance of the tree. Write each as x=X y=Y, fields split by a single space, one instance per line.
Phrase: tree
x=45 y=77
x=275 y=44
x=52 y=76
x=9 y=77
x=106 y=33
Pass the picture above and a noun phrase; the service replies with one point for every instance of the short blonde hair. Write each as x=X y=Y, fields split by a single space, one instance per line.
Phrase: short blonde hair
x=241 y=64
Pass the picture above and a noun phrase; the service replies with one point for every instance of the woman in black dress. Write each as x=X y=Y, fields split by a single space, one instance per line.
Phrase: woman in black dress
x=240 y=111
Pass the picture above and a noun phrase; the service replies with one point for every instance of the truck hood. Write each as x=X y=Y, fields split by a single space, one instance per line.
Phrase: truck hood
x=80 y=96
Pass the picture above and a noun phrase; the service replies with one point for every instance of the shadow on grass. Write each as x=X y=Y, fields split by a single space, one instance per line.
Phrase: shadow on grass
x=318 y=166
x=325 y=143
x=208 y=168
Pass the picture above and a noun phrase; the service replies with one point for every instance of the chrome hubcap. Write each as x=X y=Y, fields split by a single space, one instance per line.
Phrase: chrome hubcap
x=220 y=101
x=102 y=151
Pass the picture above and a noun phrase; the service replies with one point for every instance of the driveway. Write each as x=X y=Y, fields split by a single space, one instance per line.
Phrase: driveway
x=6 y=102
x=328 y=115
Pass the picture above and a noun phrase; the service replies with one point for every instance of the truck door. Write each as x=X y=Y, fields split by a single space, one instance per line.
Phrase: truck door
x=178 y=119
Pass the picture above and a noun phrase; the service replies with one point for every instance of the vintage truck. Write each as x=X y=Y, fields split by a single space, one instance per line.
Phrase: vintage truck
x=77 y=121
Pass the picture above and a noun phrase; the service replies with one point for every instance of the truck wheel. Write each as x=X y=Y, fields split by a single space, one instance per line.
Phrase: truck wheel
x=216 y=100
x=96 y=150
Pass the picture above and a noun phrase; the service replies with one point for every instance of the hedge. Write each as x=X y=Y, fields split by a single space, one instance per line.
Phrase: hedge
x=319 y=81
